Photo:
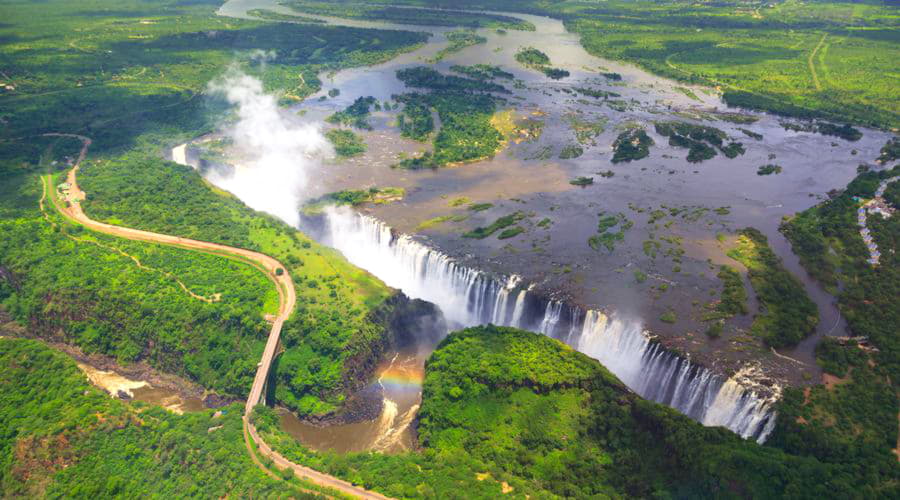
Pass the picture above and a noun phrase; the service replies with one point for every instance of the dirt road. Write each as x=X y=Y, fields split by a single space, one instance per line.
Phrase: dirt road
x=71 y=208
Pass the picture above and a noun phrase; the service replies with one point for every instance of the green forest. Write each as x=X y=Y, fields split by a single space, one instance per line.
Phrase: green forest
x=336 y=301
x=61 y=437
x=465 y=107
x=127 y=72
x=504 y=408
x=504 y=412
x=825 y=58
x=787 y=313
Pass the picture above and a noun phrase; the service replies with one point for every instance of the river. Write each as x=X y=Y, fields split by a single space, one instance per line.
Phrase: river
x=556 y=259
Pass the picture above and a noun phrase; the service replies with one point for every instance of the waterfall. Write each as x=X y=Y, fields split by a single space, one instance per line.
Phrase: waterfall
x=469 y=297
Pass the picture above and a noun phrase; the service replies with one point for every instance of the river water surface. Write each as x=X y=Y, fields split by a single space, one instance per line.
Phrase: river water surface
x=528 y=176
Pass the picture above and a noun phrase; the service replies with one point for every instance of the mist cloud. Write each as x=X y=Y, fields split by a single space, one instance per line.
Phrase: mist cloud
x=274 y=151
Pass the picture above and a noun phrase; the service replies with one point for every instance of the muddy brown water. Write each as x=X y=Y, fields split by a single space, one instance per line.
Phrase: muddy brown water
x=399 y=381
x=557 y=258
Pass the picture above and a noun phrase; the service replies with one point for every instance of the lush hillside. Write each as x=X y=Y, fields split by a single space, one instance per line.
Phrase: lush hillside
x=62 y=437
x=86 y=289
x=132 y=76
x=854 y=416
x=336 y=303
x=505 y=405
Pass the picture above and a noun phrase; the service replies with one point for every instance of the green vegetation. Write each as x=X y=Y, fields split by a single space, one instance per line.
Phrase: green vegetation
x=751 y=134
x=510 y=232
x=570 y=151
x=826 y=238
x=769 y=169
x=582 y=181
x=586 y=128
x=787 y=314
x=555 y=73
x=467 y=133
x=838 y=357
x=436 y=221
x=614 y=77
x=428 y=78
x=62 y=437
x=332 y=322
x=424 y=17
x=733 y=299
x=271 y=15
x=668 y=316
x=346 y=143
x=458 y=40
x=845 y=131
x=855 y=419
x=699 y=140
x=501 y=404
x=356 y=114
x=689 y=93
x=631 y=145
x=597 y=94
x=480 y=207
x=124 y=72
x=415 y=121
x=790 y=57
x=605 y=236
x=85 y=289
x=355 y=197
x=482 y=71
x=501 y=223
x=890 y=151
x=533 y=58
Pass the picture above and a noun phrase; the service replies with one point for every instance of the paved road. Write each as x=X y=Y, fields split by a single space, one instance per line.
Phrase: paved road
x=287 y=299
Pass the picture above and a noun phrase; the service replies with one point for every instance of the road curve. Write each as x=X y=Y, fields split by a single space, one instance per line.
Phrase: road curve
x=287 y=299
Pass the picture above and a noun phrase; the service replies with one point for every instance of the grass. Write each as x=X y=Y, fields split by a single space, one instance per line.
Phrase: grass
x=668 y=317
x=790 y=59
x=436 y=221
x=500 y=223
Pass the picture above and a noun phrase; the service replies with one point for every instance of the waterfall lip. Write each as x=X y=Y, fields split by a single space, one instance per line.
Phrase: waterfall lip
x=471 y=296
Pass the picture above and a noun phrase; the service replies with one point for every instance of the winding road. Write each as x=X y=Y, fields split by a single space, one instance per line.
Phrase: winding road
x=72 y=210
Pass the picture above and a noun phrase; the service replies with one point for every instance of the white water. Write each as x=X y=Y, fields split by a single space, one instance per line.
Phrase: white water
x=469 y=297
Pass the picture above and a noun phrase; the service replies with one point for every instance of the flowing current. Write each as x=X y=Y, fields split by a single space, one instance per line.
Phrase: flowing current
x=469 y=297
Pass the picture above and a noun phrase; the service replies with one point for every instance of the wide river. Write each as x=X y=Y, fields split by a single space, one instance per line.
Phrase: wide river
x=529 y=176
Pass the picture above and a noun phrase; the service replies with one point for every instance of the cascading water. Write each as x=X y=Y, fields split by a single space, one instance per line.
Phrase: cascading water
x=469 y=297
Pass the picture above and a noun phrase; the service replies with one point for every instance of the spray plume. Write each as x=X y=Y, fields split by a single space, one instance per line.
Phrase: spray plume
x=275 y=150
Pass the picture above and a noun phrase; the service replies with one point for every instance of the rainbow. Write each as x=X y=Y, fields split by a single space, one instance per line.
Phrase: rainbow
x=402 y=379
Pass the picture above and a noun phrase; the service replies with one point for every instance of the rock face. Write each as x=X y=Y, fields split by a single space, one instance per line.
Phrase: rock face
x=404 y=324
